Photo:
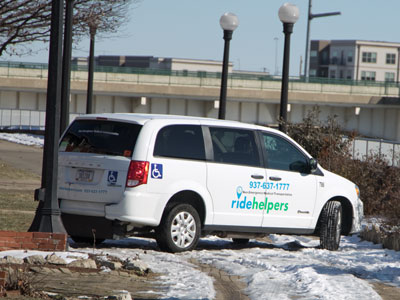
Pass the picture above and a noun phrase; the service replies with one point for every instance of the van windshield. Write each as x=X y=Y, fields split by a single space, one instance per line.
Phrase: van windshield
x=101 y=137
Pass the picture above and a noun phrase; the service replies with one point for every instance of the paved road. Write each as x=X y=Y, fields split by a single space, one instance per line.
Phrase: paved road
x=22 y=157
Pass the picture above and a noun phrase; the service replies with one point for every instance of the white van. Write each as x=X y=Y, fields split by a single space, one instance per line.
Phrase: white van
x=179 y=178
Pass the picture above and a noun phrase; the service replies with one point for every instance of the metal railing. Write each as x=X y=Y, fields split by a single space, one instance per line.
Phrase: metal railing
x=24 y=119
x=194 y=74
x=387 y=150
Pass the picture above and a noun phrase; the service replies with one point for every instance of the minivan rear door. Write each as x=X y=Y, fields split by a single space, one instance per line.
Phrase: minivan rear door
x=94 y=157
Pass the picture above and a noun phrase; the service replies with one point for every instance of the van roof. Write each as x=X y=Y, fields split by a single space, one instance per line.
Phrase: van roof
x=144 y=118
x=139 y=118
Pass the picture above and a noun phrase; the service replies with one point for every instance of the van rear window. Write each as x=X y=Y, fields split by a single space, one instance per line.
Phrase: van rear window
x=101 y=137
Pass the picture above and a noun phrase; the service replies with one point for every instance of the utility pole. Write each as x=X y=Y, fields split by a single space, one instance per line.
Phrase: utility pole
x=310 y=17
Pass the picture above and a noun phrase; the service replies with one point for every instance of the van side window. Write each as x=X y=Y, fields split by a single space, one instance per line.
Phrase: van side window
x=180 y=141
x=282 y=155
x=235 y=146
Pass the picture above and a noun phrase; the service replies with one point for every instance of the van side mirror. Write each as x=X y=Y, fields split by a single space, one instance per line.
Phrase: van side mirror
x=313 y=164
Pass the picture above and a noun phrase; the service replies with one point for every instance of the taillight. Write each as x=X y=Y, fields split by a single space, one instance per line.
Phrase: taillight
x=137 y=173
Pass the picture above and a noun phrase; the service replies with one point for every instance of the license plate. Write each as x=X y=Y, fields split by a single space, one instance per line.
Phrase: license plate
x=83 y=175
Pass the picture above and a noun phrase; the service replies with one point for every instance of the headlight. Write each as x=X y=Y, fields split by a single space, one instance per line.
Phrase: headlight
x=357 y=191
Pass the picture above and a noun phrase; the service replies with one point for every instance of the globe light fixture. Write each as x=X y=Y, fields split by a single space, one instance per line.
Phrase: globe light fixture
x=288 y=13
x=229 y=21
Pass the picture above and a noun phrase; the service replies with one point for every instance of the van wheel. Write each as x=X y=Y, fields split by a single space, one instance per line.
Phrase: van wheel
x=240 y=241
x=179 y=229
x=331 y=225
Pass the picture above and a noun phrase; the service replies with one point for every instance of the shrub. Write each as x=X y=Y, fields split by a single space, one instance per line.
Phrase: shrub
x=379 y=182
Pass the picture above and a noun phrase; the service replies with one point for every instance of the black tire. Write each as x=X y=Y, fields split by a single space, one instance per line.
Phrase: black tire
x=331 y=225
x=240 y=241
x=179 y=229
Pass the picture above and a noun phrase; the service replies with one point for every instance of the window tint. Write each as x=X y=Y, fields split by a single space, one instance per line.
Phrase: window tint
x=180 y=141
x=101 y=137
x=282 y=155
x=235 y=146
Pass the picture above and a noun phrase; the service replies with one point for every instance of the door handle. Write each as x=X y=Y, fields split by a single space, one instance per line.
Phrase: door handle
x=257 y=176
x=275 y=178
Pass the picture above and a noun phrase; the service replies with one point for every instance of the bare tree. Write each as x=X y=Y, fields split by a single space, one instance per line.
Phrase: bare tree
x=100 y=16
x=23 y=22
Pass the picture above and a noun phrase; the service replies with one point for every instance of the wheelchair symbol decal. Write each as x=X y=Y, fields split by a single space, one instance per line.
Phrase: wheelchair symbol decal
x=157 y=171
x=112 y=177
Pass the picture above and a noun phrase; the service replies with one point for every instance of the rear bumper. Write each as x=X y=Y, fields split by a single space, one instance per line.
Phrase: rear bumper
x=84 y=208
x=135 y=207
x=140 y=209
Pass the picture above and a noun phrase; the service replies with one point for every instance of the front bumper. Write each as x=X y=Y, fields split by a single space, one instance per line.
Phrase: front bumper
x=358 y=217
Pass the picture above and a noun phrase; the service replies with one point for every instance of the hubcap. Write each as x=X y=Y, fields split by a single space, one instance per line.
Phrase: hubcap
x=183 y=229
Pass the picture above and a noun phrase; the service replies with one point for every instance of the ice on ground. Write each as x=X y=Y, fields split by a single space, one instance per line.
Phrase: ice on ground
x=67 y=256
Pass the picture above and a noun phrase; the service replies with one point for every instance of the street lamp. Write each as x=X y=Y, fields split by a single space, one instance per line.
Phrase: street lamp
x=48 y=214
x=309 y=18
x=288 y=14
x=229 y=22
x=66 y=66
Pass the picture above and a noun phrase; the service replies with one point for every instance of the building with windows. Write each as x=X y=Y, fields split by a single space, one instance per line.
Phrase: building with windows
x=355 y=59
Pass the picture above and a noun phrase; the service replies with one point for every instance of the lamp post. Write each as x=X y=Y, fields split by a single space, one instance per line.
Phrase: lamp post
x=48 y=215
x=89 y=95
x=66 y=66
x=229 y=22
x=288 y=14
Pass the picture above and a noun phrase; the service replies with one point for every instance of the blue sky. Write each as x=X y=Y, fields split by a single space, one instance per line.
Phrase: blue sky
x=190 y=29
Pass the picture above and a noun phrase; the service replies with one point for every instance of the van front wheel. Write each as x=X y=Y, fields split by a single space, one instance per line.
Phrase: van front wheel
x=331 y=225
x=179 y=229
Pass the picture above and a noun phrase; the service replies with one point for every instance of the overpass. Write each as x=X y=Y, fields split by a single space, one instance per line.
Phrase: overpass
x=371 y=108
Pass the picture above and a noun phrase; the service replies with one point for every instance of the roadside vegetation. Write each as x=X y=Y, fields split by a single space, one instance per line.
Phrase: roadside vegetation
x=378 y=181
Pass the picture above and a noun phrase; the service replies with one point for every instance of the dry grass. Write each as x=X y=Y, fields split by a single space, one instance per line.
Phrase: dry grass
x=10 y=173
x=17 y=207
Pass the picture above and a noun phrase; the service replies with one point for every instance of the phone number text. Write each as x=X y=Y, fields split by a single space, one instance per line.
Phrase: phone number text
x=279 y=186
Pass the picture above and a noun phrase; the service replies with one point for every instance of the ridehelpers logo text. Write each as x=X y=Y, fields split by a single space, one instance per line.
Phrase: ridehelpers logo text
x=257 y=205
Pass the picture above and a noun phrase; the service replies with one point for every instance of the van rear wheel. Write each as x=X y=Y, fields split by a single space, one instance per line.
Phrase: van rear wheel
x=179 y=229
x=331 y=225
